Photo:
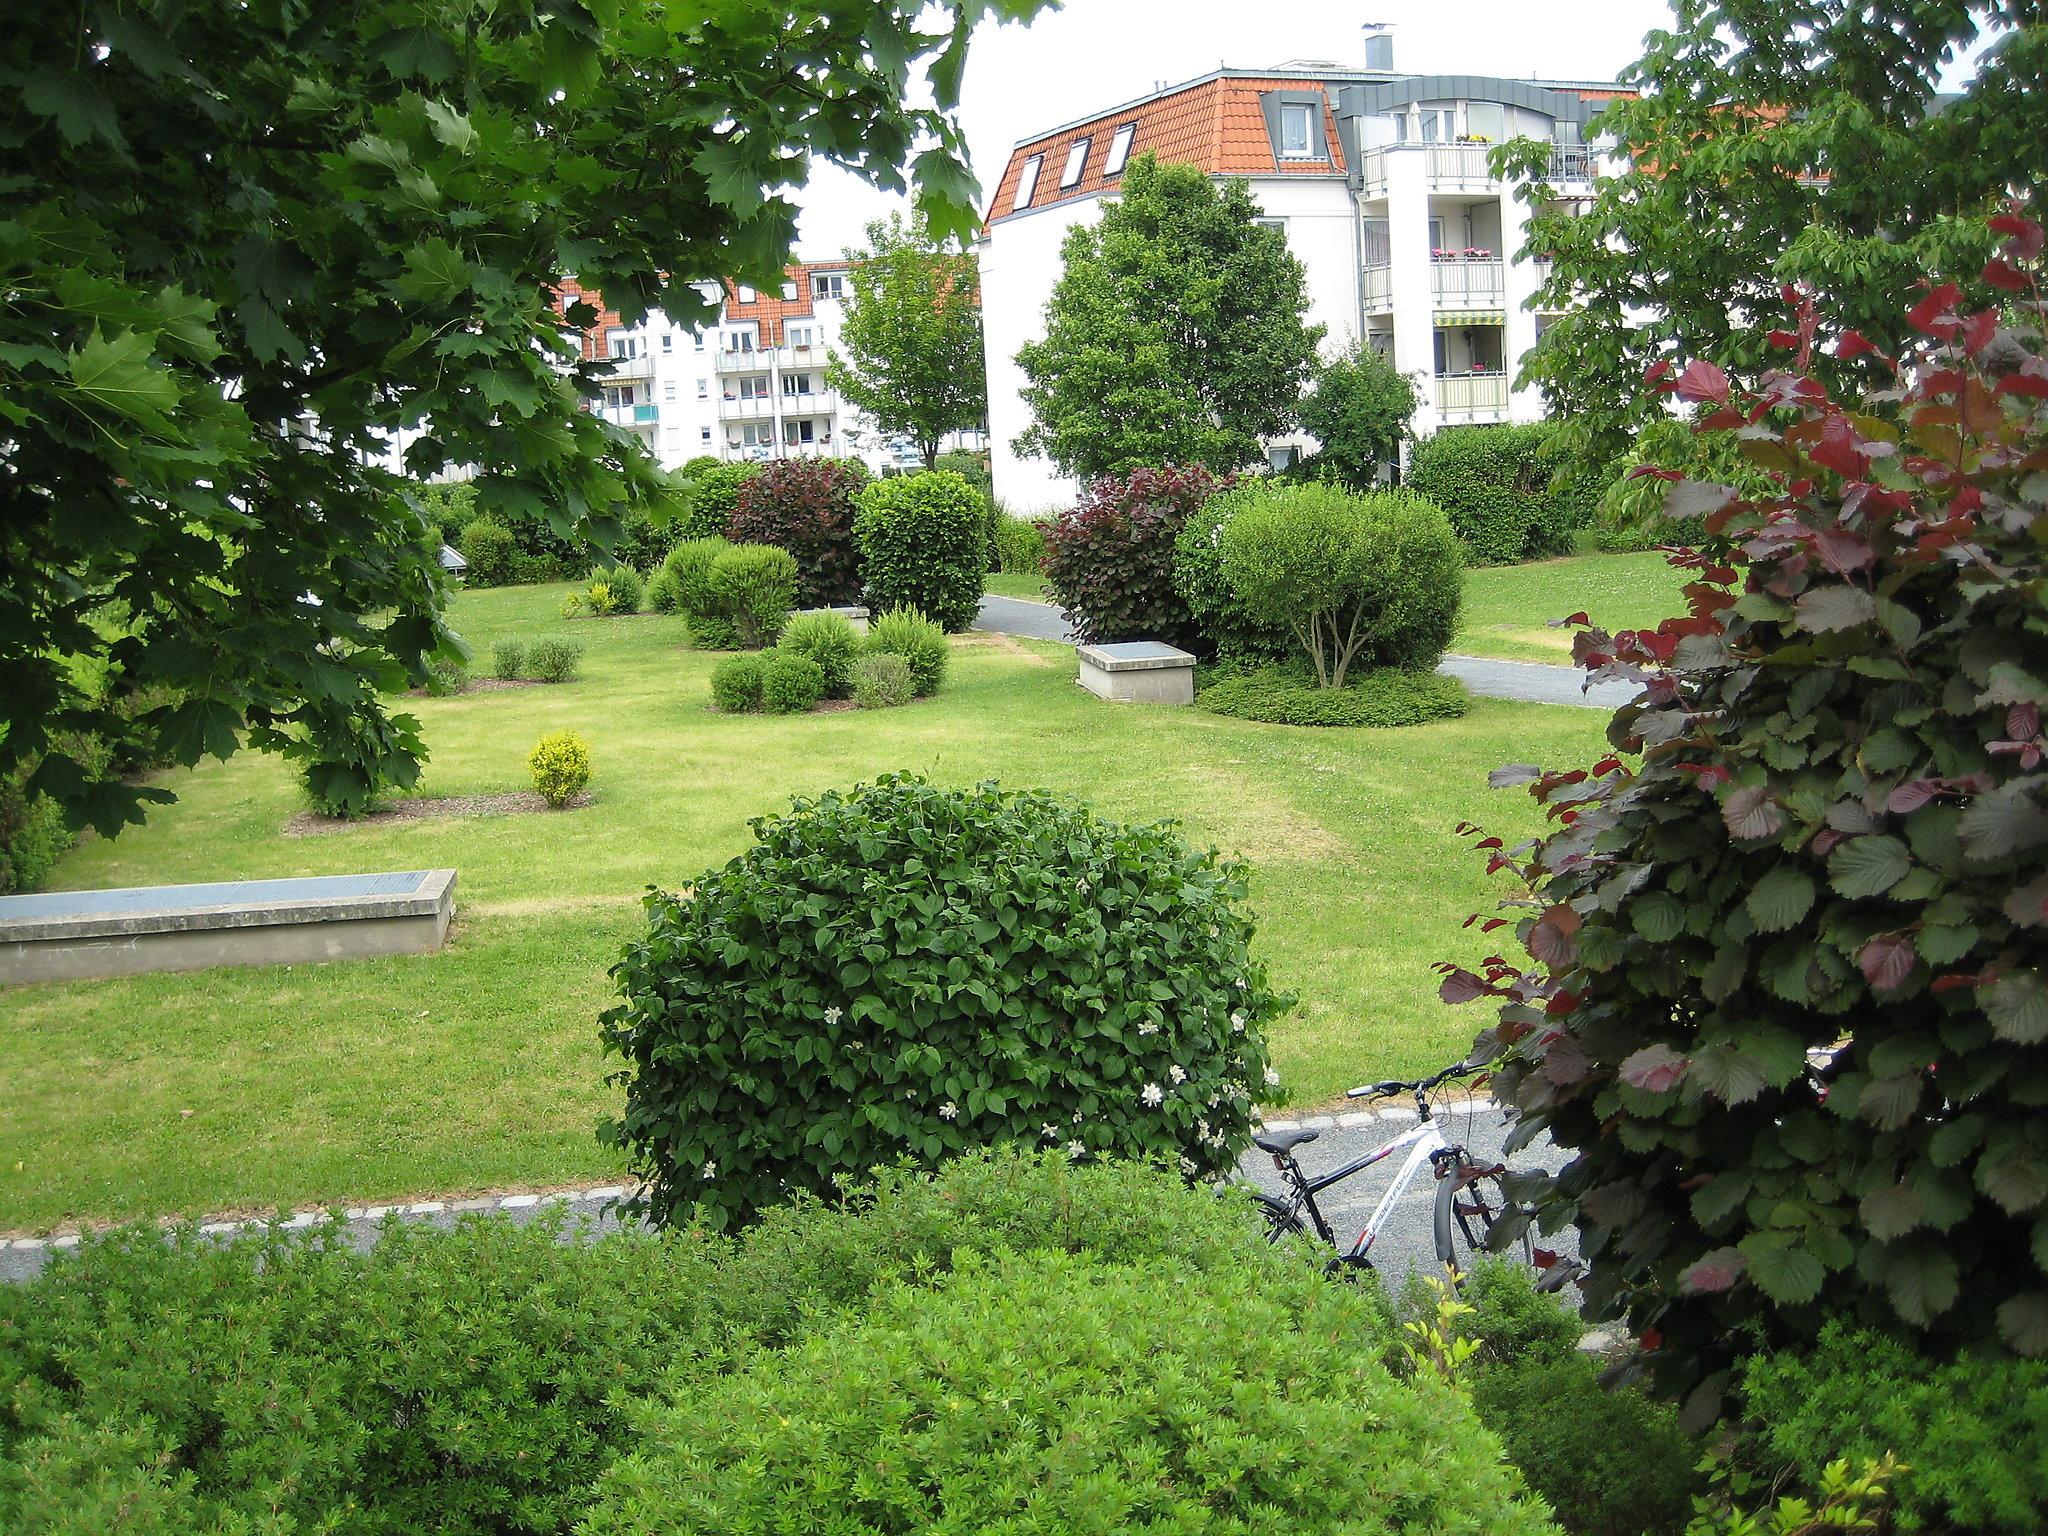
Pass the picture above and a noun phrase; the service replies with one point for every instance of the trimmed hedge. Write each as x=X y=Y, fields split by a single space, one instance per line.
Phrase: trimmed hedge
x=1494 y=483
x=489 y=548
x=1019 y=544
x=922 y=545
x=1288 y=695
x=736 y=682
x=790 y=684
x=742 y=598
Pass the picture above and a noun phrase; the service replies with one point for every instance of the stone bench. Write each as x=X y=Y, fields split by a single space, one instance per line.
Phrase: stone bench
x=1138 y=672
x=853 y=613
x=74 y=935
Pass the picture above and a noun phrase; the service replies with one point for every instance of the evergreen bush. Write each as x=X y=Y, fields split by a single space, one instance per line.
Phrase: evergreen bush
x=489 y=547
x=713 y=494
x=922 y=545
x=1494 y=483
x=749 y=591
x=1224 y=626
x=881 y=680
x=921 y=643
x=736 y=682
x=560 y=765
x=1019 y=544
x=554 y=660
x=614 y=589
x=790 y=683
x=831 y=641
x=508 y=656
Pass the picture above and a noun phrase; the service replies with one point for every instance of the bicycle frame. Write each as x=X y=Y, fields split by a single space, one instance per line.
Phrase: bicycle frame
x=1427 y=1145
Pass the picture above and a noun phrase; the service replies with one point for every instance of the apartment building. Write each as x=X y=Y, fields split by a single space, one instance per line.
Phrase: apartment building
x=749 y=386
x=1379 y=180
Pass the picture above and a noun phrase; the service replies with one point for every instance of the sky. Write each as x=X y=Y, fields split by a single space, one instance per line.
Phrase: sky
x=1093 y=54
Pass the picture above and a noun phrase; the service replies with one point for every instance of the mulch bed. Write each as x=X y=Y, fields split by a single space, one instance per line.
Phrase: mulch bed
x=310 y=824
x=479 y=685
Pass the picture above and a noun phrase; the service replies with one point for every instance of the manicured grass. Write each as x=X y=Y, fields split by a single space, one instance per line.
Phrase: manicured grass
x=1507 y=606
x=478 y=1066
x=1005 y=584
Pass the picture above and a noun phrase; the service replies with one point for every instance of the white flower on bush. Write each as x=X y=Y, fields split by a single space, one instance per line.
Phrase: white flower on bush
x=1077 y=1117
x=1202 y=1129
x=949 y=1110
x=1081 y=886
x=1243 y=985
x=1189 y=1168
x=1149 y=1027
x=1272 y=1078
x=833 y=1016
x=1178 y=1073
x=1153 y=1095
x=1049 y=1131
x=709 y=1170
x=1077 y=1149
x=1237 y=1023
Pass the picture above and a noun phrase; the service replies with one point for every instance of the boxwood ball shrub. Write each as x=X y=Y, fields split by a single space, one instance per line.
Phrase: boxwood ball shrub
x=560 y=765
x=1224 y=626
x=736 y=682
x=489 y=547
x=689 y=564
x=1494 y=483
x=905 y=971
x=508 y=656
x=921 y=643
x=806 y=507
x=712 y=493
x=622 y=589
x=831 y=641
x=790 y=683
x=1290 y=695
x=554 y=660
x=922 y=545
x=1109 y=558
x=750 y=588
x=1055 y=1393
x=1369 y=580
x=882 y=681
x=1833 y=841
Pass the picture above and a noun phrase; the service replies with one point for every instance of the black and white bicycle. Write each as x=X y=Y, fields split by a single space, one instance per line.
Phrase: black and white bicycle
x=1471 y=1198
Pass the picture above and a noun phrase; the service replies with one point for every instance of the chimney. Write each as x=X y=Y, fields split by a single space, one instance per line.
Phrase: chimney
x=1379 y=46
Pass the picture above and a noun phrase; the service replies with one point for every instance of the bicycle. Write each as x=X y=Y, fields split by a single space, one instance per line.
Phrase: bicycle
x=1471 y=1198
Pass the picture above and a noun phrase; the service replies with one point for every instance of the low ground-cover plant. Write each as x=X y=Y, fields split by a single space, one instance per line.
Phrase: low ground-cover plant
x=791 y=684
x=1833 y=842
x=828 y=639
x=922 y=545
x=560 y=765
x=1109 y=559
x=881 y=680
x=1066 y=1394
x=918 y=640
x=806 y=507
x=1373 y=580
x=1225 y=626
x=1495 y=484
x=555 y=660
x=1290 y=695
x=508 y=657
x=908 y=971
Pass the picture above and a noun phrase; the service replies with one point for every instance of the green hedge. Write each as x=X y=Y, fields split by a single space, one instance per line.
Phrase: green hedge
x=923 y=545
x=1495 y=484
x=1288 y=695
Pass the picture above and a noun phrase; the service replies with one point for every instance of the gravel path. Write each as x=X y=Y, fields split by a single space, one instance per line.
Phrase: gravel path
x=1525 y=681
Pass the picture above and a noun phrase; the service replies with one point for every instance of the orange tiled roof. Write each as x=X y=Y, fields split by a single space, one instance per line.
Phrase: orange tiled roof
x=1214 y=124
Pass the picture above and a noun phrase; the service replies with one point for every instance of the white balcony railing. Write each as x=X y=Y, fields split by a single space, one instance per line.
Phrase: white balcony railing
x=1572 y=163
x=631 y=415
x=1472 y=396
x=1462 y=284
x=744 y=361
x=1377 y=287
x=746 y=408
x=816 y=402
x=641 y=367
x=800 y=357
x=1458 y=167
x=1372 y=173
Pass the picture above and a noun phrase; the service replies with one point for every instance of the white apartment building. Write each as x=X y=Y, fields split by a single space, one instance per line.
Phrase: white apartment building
x=750 y=386
x=1380 y=182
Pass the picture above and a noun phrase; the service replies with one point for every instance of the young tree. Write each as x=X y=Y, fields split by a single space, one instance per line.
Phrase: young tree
x=911 y=345
x=1174 y=335
x=1777 y=143
x=1359 y=411
x=243 y=243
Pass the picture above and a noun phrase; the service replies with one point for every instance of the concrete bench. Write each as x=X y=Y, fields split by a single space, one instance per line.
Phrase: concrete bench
x=74 y=935
x=853 y=613
x=1138 y=672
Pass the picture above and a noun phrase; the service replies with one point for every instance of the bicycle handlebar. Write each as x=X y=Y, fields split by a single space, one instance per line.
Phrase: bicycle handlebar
x=1391 y=1086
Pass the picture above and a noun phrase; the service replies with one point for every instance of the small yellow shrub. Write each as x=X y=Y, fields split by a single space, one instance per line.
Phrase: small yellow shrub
x=560 y=764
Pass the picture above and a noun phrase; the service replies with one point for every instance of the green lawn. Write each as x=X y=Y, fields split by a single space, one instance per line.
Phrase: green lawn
x=1005 y=584
x=478 y=1067
x=1507 y=606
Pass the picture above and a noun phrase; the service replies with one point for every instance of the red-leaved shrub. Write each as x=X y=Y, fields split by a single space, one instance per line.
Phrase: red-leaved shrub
x=1785 y=996
x=806 y=507
x=1109 y=560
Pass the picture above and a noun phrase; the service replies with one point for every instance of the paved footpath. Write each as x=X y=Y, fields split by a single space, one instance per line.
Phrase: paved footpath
x=1407 y=1242
x=1525 y=681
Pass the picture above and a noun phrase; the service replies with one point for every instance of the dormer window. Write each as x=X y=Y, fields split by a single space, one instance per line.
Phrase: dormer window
x=1027 y=182
x=1077 y=161
x=1120 y=150
x=1297 y=131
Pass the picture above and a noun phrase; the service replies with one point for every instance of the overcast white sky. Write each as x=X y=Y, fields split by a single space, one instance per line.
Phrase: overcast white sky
x=1092 y=54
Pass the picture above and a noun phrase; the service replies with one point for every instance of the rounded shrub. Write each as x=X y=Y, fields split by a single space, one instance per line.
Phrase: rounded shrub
x=1494 y=483
x=712 y=493
x=614 y=589
x=922 y=545
x=806 y=507
x=1372 y=580
x=751 y=588
x=553 y=660
x=790 y=684
x=882 y=681
x=489 y=547
x=904 y=971
x=829 y=640
x=664 y=591
x=921 y=643
x=689 y=563
x=33 y=836
x=1290 y=695
x=736 y=682
x=560 y=765
x=1224 y=626
x=446 y=676
x=1109 y=559
x=1055 y=1393
x=508 y=656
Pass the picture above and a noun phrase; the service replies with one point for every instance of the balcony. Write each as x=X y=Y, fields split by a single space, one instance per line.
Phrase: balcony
x=631 y=415
x=1474 y=283
x=748 y=361
x=800 y=357
x=1572 y=163
x=1372 y=173
x=641 y=367
x=1377 y=287
x=1458 y=167
x=746 y=408
x=1463 y=397
x=816 y=402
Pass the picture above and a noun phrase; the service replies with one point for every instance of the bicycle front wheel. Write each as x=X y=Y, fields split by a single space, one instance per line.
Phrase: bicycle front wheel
x=1470 y=1203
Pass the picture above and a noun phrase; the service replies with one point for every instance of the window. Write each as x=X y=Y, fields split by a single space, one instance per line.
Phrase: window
x=798 y=432
x=668 y=391
x=668 y=341
x=1027 y=182
x=625 y=346
x=796 y=383
x=739 y=341
x=788 y=291
x=754 y=387
x=703 y=434
x=1436 y=235
x=1119 y=150
x=828 y=285
x=1297 y=131
x=700 y=340
x=747 y=295
x=1443 y=354
x=1439 y=125
x=1077 y=161
x=800 y=335
x=703 y=389
x=1279 y=224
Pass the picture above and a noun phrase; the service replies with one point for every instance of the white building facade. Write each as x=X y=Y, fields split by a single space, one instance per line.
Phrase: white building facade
x=1380 y=182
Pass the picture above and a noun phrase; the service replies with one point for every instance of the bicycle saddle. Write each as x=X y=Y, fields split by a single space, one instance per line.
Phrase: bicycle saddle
x=1279 y=1142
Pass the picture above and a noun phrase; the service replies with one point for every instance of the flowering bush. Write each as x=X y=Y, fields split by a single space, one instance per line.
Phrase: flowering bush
x=806 y=507
x=904 y=971
x=1786 y=1004
x=1109 y=559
